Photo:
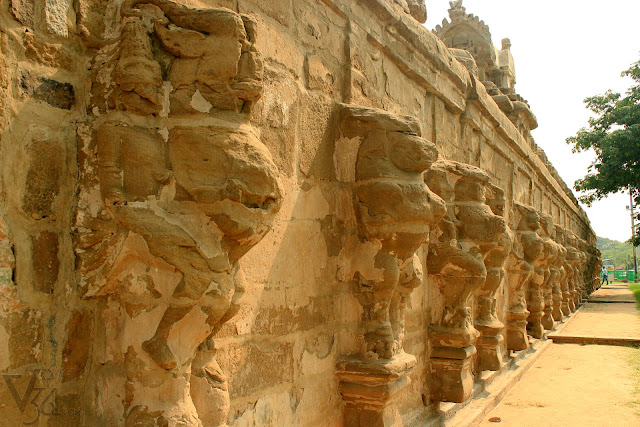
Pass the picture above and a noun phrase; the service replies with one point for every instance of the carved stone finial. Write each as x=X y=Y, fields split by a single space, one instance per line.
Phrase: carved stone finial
x=456 y=5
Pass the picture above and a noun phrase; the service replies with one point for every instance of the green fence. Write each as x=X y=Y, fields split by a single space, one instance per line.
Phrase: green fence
x=622 y=274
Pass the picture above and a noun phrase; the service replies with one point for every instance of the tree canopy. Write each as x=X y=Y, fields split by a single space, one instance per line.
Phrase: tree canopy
x=614 y=135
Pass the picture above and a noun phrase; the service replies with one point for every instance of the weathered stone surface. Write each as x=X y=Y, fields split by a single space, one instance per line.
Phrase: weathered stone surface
x=44 y=247
x=49 y=54
x=77 y=349
x=56 y=16
x=232 y=212
x=24 y=11
x=54 y=93
x=44 y=177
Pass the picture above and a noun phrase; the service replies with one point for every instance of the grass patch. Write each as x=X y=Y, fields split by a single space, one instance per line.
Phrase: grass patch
x=635 y=288
x=634 y=361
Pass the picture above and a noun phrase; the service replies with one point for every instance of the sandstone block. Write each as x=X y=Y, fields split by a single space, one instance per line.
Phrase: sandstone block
x=25 y=335
x=56 y=16
x=44 y=247
x=280 y=10
x=44 y=178
x=78 y=346
x=49 y=54
x=24 y=12
x=55 y=93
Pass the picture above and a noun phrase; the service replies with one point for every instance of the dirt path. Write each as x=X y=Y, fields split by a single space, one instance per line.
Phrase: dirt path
x=576 y=385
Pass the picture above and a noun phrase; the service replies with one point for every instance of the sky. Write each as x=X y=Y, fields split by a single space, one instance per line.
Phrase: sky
x=565 y=51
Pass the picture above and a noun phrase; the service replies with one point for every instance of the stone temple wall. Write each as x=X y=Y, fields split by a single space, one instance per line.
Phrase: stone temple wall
x=285 y=212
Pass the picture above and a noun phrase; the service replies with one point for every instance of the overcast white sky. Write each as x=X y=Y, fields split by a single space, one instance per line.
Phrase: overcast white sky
x=565 y=51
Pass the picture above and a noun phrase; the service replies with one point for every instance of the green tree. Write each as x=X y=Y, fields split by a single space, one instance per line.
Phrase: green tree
x=614 y=135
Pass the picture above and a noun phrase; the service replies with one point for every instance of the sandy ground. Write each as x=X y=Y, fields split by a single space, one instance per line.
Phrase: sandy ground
x=615 y=292
x=605 y=320
x=575 y=385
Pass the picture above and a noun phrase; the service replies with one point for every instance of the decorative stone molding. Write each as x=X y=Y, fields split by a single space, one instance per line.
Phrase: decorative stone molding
x=490 y=341
x=456 y=262
x=526 y=250
x=395 y=211
x=180 y=202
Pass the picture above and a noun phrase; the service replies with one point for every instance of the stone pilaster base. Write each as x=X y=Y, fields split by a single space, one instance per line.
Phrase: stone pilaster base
x=556 y=311
x=517 y=337
x=489 y=352
x=369 y=388
x=534 y=324
x=547 y=319
x=577 y=299
x=566 y=306
x=452 y=374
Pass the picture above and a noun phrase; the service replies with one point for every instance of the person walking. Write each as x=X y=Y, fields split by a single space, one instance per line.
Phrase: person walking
x=605 y=275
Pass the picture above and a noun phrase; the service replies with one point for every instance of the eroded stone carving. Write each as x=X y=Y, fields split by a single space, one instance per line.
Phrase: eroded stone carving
x=395 y=212
x=486 y=322
x=572 y=260
x=559 y=278
x=456 y=260
x=415 y=8
x=526 y=250
x=180 y=202
x=551 y=252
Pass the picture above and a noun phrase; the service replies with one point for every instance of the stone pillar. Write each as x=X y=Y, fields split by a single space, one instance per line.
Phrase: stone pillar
x=456 y=263
x=489 y=343
x=526 y=250
x=381 y=158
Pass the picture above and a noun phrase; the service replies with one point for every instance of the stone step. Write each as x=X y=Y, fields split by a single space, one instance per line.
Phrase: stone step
x=584 y=340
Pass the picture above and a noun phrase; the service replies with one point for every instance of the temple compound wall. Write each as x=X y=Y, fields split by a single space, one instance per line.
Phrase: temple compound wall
x=268 y=212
